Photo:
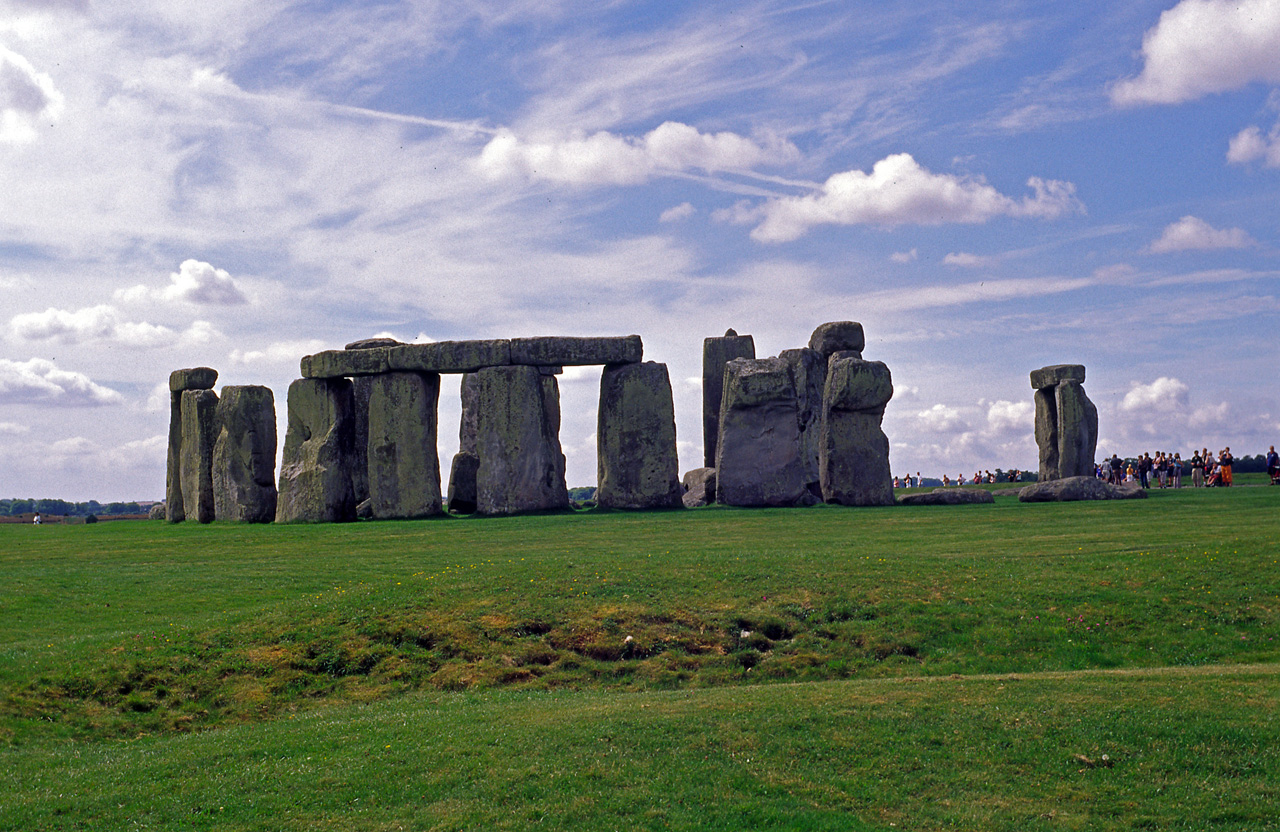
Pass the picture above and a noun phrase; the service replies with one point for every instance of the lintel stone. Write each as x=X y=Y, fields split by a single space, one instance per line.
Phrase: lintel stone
x=342 y=363
x=1052 y=376
x=557 y=351
x=451 y=356
x=196 y=378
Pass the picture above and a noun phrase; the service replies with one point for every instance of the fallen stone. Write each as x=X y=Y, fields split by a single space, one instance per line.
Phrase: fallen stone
x=199 y=408
x=315 y=467
x=637 y=464
x=758 y=458
x=699 y=487
x=1007 y=492
x=854 y=452
x=367 y=361
x=1054 y=375
x=450 y=356
x=1070 y=489
x=716 y=352
x=462 y=482
x=947 y=497
x=244 y=455
x=157 y=512
x=404 y=468
x=521 y=466
x=559 y=351
x=838 y=336
x=196 y=378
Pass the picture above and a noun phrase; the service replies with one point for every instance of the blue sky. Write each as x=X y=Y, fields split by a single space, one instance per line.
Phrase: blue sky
x=988 y=189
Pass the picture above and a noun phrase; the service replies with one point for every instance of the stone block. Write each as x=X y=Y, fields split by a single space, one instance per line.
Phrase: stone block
x=404 y=468
x=809 y=370
x=1046 y=428
x=1056 y=374
x=196 y=378
x=315 y=467
x=521 y=466
x=450 y=356
x=1077 y=430
x=462 y=482
x=699 y=487
x=174 y=511
x=346 y=363
x=370 y=343
x=557 y=351
x=854 y=451
x=858 y=385
x=244 y=455
x=636 y=439
x=199 y=412
x=758 y=457
x=716 y=352
x=838 y=336
x=948 y=497
x=468 y=425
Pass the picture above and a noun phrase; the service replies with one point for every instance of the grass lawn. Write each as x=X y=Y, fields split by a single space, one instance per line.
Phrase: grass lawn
x=827 y=668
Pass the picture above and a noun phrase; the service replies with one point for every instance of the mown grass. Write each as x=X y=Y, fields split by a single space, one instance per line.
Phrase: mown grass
x=147 y=632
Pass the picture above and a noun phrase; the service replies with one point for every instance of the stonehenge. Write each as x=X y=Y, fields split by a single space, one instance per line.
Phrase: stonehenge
x=361 y=431
x=1066 y=422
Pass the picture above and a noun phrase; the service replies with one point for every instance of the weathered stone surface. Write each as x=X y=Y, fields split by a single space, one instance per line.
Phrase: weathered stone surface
x=450 y=356
x=462 y=482
x=468 y=425
x=244 y=455
x=1056 y=374
x=1069 y=489
x=557 y=351
x=404 y=469
x=716 y=352
x=838 y=336
x=361 y=390
x=157 y=512
x=369 y=343
x=174 y=511
x=636 y=439
x=758 y=458
x=199 y=409
x=1077 y=430
x=699 y=487
x=521 y=467
x=1047 y=433
x=809 y=370
x=947 y=497
x=196 y=378
x=854 y=452
x=315 y=468
x=367 y=361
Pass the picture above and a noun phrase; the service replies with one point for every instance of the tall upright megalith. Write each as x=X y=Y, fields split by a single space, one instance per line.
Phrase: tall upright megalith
x=521 y=467
x=636 y=439
x=244 y=455
x=195 y=378
x=196 y=459
x=361 y=389
x=1066 y=422
x=404 y=468
x=758 y=456
x=809 y=371
x=716 y=352
x=319 y=453
x=854 y=461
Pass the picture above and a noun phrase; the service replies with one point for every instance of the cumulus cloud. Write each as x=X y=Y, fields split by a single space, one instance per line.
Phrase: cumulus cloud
x=102 y=323
x=1162 y=393
x=194 y=282
x=899 y=191
x=682 y=211
x=27 y=98
x=13 y=428
x=40 y=381
x=1194 y=234
x=1250 y=145
x=968 y=261
x=607 y=159
x=905 y=256
x=1200 y=47
x=281 y=352
x=959 y=437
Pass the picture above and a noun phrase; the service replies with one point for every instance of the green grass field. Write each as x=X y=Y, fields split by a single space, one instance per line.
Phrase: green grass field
x=1010 y=666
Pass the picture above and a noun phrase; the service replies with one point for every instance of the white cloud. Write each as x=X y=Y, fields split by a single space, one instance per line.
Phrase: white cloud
x=103 y=323
x=1200 y=47
x=604 y=158
x=13 y=428
x=968 y=261
x=898 y=191
x=1016 y=416
x=1249 y=145
x=281 y=352
x=905 y=256
x=27 y=98
x=1194 y=234
x=40 y=381
x=1161 y=394
x=682 y=211
x=194 y=282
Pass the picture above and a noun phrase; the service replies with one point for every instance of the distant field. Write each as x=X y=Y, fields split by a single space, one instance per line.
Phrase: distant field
x=960 y=667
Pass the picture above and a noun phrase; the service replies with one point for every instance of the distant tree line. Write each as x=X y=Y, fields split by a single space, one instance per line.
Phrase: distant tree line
x=15 y=507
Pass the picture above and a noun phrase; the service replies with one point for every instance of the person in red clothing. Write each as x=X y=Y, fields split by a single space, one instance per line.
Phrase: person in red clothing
x=1225 y=460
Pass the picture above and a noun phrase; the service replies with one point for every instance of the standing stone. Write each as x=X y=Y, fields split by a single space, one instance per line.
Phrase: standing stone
x=199 y=410
x=361 y=388
x=404 y=468
x=809 y=369
x=699 y=487
x=1066 y=422
x=716 y=352
x=244 y=455
x=469 y=425
x=462 y=482
x=758 y=459
x=319 y=453
x=855 y=451
x=195 y=378
x=636 y=439
x=521 y=467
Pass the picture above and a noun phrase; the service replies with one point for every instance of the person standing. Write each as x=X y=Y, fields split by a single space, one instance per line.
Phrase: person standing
x=1273 y=464
x=1144 y=470
x=1197 y=470
x=1176 y=468
x=1225 y=461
